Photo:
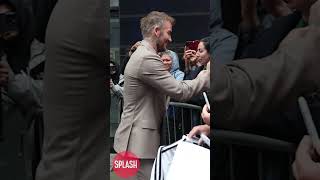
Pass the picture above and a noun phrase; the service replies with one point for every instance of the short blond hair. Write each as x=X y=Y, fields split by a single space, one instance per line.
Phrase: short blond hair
x=154 y=18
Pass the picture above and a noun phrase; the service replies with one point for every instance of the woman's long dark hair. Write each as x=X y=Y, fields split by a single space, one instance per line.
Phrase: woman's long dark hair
x=206 y=43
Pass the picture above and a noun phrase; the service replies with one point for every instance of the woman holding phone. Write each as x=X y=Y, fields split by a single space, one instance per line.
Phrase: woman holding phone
x=196 y=60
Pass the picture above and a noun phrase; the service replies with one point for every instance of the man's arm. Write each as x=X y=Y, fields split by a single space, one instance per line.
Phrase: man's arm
x=153 y=73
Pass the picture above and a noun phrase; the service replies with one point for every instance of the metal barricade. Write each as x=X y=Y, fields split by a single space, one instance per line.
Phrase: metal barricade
x=264 y=150
x=267 y=152
x=181 y=117
x=179 y=120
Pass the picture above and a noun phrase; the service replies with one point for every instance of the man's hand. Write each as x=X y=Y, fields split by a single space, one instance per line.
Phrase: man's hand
x=134 y=47
x=205 y=75
x=205 y=115
x=4 y=74
x=205 y=129
x=306 y=165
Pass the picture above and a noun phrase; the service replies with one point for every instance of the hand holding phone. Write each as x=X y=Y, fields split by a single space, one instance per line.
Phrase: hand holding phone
x=207 y=100
x=189 y=54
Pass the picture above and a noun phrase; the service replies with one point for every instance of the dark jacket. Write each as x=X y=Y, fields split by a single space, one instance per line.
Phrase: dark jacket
x=32 y=18
x=251 y=88
x=268 y=40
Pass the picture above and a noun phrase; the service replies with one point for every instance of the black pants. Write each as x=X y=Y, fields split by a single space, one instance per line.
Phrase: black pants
x=75 y=95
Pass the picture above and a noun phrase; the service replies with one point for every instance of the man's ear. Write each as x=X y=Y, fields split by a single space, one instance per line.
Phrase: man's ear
x=157 y=31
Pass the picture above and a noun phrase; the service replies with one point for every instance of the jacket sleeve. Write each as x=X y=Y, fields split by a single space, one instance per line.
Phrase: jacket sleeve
x=248 y=88
x=117 y=90
x=25 y=91
x=153 y=73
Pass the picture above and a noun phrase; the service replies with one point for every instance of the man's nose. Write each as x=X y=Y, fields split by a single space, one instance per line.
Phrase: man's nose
x=170 y=40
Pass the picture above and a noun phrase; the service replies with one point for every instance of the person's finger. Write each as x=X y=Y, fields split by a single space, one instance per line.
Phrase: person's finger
x=194 y=131
x=305 y=145
x=136 y=45
x=205 y=109
x=303 y=161
x=206 y=121
x=303 y=153
x=206 y=118
x=189 y=51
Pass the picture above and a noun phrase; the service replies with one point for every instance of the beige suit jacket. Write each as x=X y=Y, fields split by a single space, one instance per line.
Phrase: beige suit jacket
x=146 y=86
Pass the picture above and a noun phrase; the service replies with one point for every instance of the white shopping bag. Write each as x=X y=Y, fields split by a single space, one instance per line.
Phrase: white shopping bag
x=183 y=159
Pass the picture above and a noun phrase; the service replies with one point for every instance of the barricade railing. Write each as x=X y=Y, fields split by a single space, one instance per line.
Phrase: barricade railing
x=179 y=120
x=269 y=152
x=181 y=117
x=263 y=149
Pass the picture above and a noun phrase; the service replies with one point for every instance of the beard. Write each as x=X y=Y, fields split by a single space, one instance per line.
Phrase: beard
x=160 y=43
x=160 y=46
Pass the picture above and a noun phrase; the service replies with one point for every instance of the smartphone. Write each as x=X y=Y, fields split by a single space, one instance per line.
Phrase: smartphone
x=193 y=45
x=206 y=99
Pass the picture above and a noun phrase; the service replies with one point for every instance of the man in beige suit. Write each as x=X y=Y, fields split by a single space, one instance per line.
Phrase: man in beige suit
x=147 y=84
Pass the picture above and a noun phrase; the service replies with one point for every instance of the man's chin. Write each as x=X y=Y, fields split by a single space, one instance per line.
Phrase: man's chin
x=161 y=49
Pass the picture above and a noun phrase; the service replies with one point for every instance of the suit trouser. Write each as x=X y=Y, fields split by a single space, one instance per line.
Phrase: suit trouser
x=75 y=107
